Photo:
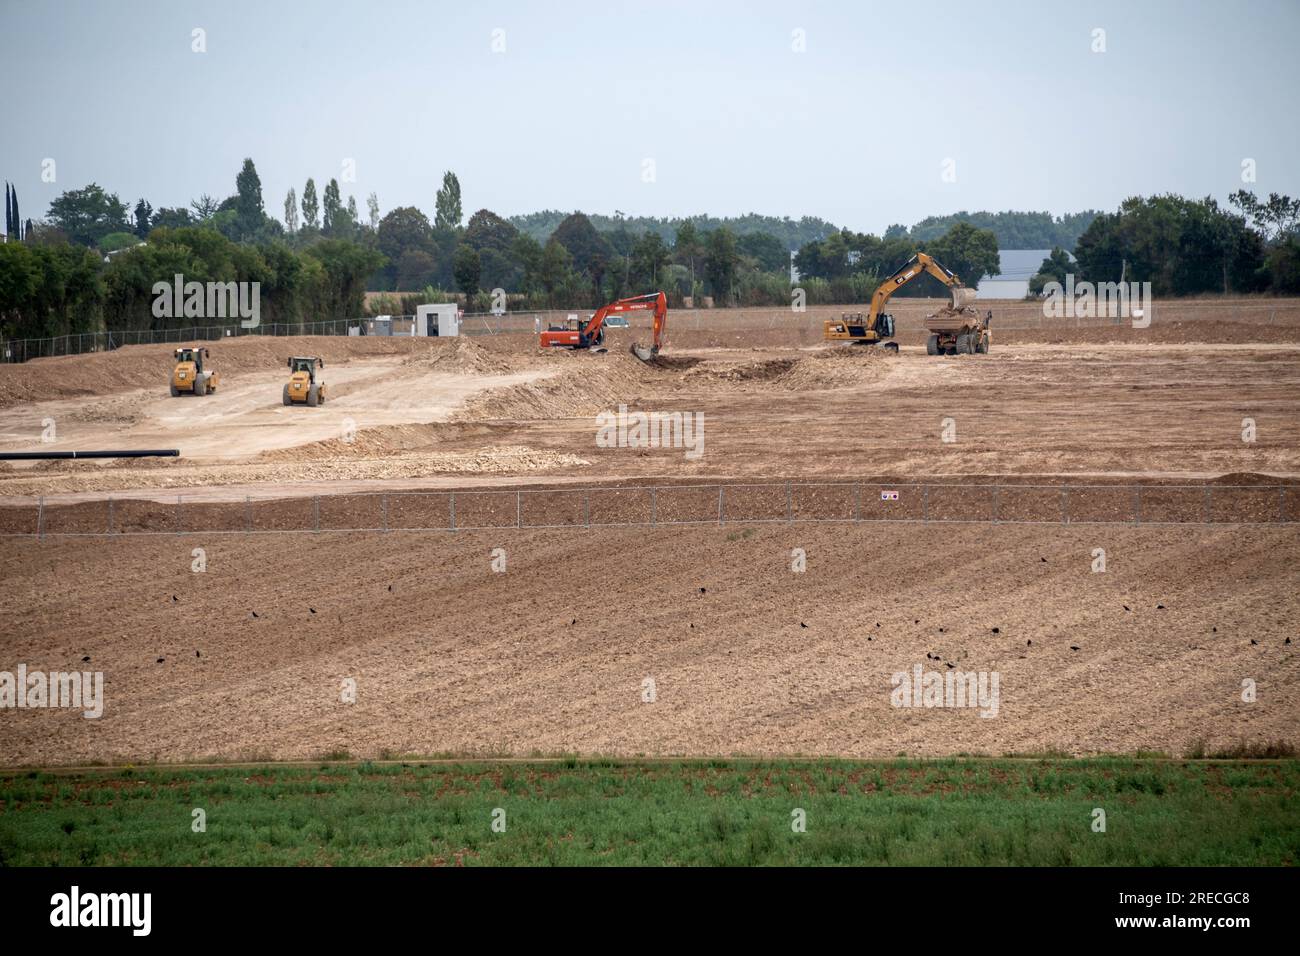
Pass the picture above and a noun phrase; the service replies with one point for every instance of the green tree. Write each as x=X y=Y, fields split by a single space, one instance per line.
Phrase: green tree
x=404 y=229
x=448 y=212
x=767 y=251
x=556 y=269
x=1276 y=219
x=291 y=211
x=205 y=207
x=487 y=230
x=720 y=261
x=590 y=251
x=1181 y=246
x=466 y=267
x=345 y=266
x=310 y=206
x=527 y=253
x=650 y=257
x=249 y=210
x=332 y=208
x=970 y=252
x=89 y=214
x=143 y=215
x=1055 y=268
x=687 y=248
x=175 y=218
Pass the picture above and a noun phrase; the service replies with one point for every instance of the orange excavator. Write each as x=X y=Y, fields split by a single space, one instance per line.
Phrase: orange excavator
x=591 y=333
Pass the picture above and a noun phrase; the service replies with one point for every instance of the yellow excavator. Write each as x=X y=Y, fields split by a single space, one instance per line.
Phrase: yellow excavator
x=957 y=328
x=193 y=372
x=304 y=386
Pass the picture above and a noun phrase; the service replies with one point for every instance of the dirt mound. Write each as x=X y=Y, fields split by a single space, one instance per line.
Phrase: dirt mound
x=836 y=368
x=593 y=384
x=460 y=355
x=831 y=368
x=761 y=371
x=386 y=440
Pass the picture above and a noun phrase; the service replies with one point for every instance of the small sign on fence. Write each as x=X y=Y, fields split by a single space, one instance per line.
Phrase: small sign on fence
x=889 y=496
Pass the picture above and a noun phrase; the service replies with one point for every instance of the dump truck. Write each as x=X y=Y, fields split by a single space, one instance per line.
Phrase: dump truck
x=958 y=329
x=590 y=333
x=304 y=386
x=193 y=373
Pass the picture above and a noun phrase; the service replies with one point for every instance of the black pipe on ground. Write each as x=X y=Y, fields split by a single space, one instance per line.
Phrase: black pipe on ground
x=128 y=453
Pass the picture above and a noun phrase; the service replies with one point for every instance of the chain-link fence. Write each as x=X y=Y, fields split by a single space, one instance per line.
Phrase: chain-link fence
x=655 y=505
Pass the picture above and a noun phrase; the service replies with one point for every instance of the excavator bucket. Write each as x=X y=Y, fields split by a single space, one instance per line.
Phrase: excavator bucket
x=645 y=354
x=962 y=298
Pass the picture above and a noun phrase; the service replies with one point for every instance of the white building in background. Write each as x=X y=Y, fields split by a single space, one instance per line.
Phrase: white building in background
x=1016 y=268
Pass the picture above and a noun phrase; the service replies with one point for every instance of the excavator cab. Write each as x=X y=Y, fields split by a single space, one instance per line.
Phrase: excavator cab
x=861 y=330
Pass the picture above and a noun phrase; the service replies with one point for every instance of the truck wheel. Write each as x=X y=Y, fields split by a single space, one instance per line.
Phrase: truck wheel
x=175 y=391
x=963 y=343
x=313 y=398
x=932 y=344
x=287 y=399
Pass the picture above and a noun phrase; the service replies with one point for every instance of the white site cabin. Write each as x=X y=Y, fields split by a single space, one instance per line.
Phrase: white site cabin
x=440 y=320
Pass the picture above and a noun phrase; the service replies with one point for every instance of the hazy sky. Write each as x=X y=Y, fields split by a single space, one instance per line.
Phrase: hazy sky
x=855 y=129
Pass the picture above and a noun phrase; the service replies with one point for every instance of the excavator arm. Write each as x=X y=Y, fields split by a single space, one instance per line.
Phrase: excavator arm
x=918 y=264
x=874 y=328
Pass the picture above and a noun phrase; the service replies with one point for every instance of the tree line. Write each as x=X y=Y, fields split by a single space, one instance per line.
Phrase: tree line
x=91 y=262
x=1187 y=246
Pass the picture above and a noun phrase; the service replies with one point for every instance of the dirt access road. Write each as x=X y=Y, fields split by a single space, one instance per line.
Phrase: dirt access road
x=246 y=415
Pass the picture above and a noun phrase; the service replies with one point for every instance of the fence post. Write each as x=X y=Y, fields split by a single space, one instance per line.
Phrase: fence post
x=996 y=489
x=1209 y=504
x=519 y=509
x=248 y=512
x=654 y=505
x=1065 y=504
x=722 y=519
x=315 y=513
x=179 y=523
x=453 y=511
x=1281 y=503
x=857 y=502
x=40 y=517
x=925 y=504
x=789 y=504
x=1137 y=504
x=586 y=508
x=384 y=508
x=110 y=514
x=1205 y=505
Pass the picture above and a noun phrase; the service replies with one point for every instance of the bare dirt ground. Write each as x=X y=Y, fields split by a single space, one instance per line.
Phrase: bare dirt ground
x=747 y=657
x=1166 y=401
